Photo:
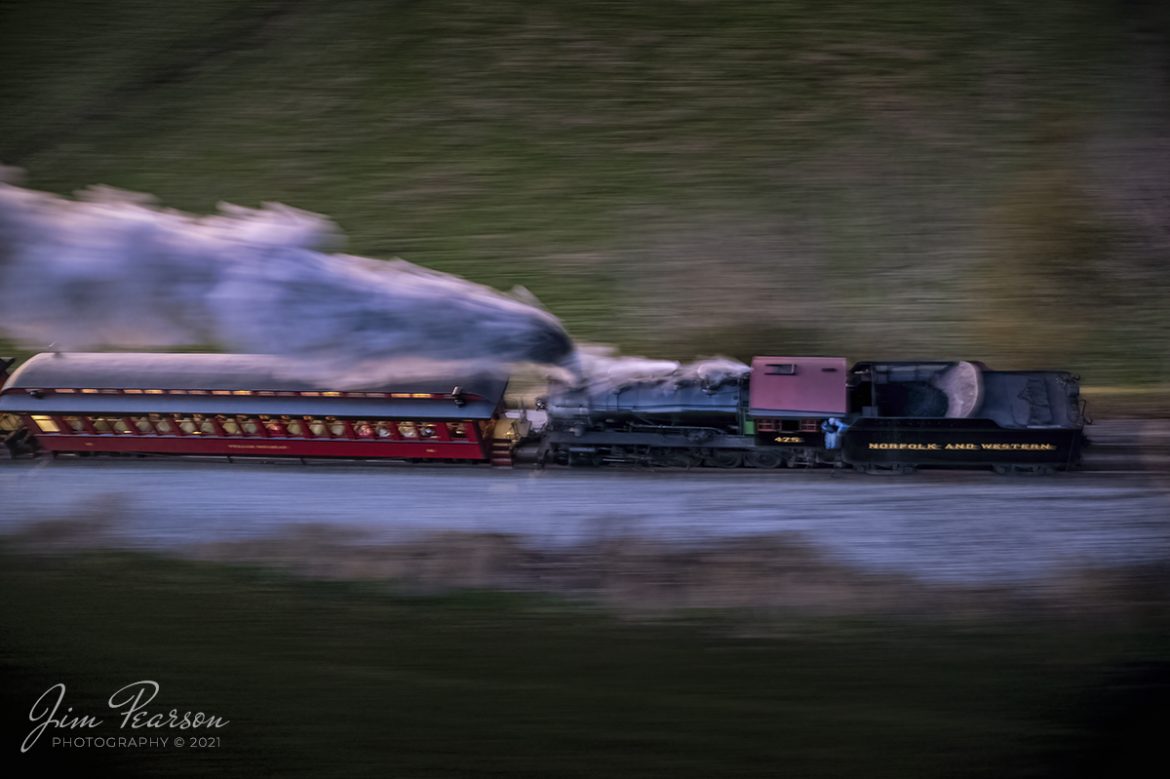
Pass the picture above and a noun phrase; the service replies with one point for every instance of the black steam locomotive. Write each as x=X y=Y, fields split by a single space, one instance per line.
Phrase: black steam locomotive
x=808 y=411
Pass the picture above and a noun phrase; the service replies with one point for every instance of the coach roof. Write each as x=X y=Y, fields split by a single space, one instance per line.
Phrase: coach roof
x=256 y=373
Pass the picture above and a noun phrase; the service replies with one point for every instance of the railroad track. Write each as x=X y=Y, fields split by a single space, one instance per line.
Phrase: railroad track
x=1129 y=445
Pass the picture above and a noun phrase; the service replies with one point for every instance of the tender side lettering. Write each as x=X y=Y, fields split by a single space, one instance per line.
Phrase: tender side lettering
x=966 y=447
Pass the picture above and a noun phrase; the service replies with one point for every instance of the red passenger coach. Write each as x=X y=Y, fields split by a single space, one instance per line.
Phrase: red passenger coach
x=244 y=405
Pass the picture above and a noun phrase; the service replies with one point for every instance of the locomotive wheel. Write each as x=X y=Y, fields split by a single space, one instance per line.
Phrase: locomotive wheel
x=672 y=458
x=584 y=459
x=764 y=460
x=724 y=459
x=883 y=469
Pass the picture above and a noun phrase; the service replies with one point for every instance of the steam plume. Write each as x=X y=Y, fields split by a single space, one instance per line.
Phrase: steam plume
x=112 y=269
x=603 y=370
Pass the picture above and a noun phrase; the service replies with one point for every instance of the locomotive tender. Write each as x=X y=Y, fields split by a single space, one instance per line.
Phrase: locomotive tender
x=784 y=411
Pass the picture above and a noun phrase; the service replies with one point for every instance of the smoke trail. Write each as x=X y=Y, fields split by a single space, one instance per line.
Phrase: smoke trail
x=603 y=370
x=114 y=269
x=654 y=384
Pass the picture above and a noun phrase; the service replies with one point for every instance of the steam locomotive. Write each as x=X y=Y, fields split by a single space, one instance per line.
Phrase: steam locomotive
x=807 y=411
x=783 y=411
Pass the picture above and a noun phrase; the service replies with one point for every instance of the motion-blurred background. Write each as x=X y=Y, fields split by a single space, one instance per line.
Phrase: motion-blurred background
x=681 y=177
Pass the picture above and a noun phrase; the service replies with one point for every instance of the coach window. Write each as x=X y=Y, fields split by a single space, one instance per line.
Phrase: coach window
x=295 y=427
x=230 y=426
x=163 y=425
x=363 y=429
x=120 y=426
x=75 y=424
x=457 y=429
x=336 y=427
x=101 y=425
x=188 y=426
x=250 y=426
x=46 y=424
x=143 y=424
x=317 y=427
x=382 y=429
x=9 y=422
x=276 y=427
x=206 y=426
x=407 y=430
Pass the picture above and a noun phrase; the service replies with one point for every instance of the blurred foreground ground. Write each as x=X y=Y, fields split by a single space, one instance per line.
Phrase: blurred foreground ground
x=359 y=620
x=944 y=527
x=348 y=679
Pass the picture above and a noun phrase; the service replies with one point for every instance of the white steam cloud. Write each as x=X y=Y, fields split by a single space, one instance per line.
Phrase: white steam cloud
x=112 y=269
x=603 y=370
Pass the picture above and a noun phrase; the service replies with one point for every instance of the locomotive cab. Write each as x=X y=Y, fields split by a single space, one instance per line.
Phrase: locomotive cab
x=797 y=404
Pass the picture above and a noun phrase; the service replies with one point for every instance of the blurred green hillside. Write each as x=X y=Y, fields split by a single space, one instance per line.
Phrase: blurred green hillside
x=679 y=177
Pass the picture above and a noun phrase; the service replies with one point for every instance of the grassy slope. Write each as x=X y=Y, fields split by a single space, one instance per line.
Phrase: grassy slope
x=316 y=675
x=683 y=176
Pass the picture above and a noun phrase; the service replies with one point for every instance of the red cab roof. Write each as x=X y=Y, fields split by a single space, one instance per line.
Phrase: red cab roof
x=798 y=386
